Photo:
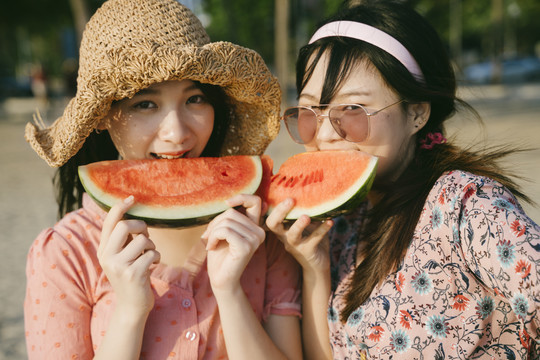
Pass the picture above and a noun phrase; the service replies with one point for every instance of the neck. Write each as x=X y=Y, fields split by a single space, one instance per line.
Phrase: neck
x=175 y=245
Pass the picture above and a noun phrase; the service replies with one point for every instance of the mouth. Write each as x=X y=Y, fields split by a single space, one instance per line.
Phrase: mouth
x=176 y=155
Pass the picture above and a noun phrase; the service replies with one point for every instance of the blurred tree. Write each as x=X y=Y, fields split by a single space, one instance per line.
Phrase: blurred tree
x=42 y=32
x=479 y=33
x=245 y=22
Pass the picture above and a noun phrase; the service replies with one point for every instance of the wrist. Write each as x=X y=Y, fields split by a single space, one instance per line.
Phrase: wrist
x=316 y=280
x=316 y=274
x=231 y=294
x=131 y=316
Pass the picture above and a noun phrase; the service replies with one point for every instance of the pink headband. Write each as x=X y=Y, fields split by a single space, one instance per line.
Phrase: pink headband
x=372 y=36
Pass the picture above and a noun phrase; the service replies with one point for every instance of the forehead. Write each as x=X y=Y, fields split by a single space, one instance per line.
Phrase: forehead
x=362 y=78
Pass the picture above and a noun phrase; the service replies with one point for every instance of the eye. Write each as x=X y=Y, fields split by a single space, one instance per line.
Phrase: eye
x=350 y=107
x=197 y=99
x=146 y=104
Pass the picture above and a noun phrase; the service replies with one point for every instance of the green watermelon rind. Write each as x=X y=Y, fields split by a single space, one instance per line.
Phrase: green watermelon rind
x=345 y=203
x=354 y=202
x=163 y=223
x=170 y=217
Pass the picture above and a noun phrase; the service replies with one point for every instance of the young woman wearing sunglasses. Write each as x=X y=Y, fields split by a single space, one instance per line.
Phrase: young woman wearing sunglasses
x=440 y=261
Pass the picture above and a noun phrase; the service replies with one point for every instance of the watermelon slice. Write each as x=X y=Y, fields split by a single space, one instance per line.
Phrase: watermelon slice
x=324 y=184
x=172 y=193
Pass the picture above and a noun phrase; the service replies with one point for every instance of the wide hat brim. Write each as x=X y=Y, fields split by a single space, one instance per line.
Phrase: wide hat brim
x=253 y=92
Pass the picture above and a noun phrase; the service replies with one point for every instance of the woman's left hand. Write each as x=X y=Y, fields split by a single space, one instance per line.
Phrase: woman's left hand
x=232 y=239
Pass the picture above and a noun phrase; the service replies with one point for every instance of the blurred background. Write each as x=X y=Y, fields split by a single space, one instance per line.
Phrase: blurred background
x=494 y=44
x=490 y=41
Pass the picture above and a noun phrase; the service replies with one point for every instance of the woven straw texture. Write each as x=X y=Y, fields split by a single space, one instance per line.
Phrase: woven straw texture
x=129 y=45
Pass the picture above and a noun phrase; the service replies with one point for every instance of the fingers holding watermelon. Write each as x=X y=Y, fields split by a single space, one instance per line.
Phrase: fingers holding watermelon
x=126 y=253
x=305 y=239
x=232 y=239
x=252 y=204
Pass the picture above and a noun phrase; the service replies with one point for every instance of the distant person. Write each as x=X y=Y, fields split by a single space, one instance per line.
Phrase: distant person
x=441 y=261
x=151 y=86
x=38 y=84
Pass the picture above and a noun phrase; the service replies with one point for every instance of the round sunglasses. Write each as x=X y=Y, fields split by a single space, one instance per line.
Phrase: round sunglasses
x=350 y=121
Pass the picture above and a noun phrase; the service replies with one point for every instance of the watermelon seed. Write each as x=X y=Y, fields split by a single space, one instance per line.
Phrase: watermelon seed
x=289 y=182
x=281 y=180
x=306 y=180
x=224 y=173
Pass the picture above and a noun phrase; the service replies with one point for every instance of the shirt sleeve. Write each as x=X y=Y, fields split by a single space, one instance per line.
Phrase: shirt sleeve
x=282 y=294
x=501 y=245
x=57 y=306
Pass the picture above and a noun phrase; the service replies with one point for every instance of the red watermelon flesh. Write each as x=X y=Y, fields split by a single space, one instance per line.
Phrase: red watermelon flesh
x=175 y=192
x=323 y=184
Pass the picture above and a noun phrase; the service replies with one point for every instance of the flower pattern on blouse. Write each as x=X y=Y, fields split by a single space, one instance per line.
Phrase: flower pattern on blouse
x=467 y=288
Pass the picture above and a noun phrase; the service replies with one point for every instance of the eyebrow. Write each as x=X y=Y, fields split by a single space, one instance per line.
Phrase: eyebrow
x=351 y=93
x=308 y=97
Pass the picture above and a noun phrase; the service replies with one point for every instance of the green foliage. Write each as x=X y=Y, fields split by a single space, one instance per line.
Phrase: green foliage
x=31 y=31
x=244 y=22
x=477 y=22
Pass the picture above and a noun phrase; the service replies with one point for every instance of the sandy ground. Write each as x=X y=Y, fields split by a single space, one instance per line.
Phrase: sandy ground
x=511 y=115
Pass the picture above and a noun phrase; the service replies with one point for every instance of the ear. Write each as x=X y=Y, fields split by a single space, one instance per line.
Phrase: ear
x=104 y=123
x=418 y=115
x=101 y=126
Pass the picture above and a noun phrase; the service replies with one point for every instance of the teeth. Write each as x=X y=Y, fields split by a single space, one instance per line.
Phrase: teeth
x=163 y=156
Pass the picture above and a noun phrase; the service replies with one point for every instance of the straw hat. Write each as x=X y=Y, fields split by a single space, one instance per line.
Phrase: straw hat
x=129 y=45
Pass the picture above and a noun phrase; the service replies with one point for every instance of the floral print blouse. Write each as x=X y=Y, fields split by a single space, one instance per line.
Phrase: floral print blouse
x=468 y=287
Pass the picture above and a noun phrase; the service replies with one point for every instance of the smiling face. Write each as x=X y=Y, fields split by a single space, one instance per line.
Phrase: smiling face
x=391 y=134
x=171 y=119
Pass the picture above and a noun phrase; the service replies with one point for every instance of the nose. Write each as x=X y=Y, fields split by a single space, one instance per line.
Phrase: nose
x=326 y=132
x=173 y=128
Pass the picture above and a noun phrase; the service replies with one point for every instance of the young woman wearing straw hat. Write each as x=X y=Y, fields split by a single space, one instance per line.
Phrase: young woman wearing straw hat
x=441 y=261
x=152 y=85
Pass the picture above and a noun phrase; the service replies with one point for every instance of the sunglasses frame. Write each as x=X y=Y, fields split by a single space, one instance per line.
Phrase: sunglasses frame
x=328 y=107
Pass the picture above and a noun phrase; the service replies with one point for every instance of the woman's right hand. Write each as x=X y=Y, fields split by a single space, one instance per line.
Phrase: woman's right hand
x=305 y=240
x=125 y=253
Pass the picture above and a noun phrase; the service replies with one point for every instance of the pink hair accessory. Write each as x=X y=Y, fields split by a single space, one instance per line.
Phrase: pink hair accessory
x=372 y=36
x=431 y=140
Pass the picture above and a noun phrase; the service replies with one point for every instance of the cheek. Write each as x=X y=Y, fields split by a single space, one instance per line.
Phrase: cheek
x=390 y=140
x=205 y=125
x=131 y=137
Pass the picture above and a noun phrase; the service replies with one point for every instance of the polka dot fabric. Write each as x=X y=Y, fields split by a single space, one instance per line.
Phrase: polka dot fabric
x=69 y=300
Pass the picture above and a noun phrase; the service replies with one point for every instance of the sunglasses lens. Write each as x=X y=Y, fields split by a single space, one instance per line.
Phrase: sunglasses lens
x=301 y=124
x=350 y=122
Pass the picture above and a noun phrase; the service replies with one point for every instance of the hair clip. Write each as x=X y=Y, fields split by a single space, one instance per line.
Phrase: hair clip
x=431 y=140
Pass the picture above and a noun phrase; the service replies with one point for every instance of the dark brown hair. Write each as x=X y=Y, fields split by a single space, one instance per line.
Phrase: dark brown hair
x=99 y=146
x=392 y=221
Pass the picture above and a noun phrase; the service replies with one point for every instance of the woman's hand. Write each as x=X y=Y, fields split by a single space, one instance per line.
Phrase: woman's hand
x=309 y=244
x=305 y=240
x=125 y=253
x=232 y=238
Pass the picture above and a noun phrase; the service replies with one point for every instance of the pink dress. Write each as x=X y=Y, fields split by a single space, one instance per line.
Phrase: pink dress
x=69 y=300
x=468 y=287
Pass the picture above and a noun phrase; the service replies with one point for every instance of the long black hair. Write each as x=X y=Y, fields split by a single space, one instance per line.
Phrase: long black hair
x=392 y=221
x=98 y=146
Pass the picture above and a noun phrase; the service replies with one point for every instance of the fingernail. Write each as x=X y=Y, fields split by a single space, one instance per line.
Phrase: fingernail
x=129 y=199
